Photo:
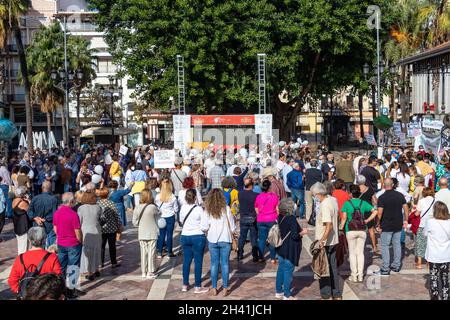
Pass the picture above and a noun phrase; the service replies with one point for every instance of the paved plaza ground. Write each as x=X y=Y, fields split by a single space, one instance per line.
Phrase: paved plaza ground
x=248 y=280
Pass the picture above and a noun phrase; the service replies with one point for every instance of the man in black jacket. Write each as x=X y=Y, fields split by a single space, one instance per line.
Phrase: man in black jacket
x=247 y=213
x=312 y=176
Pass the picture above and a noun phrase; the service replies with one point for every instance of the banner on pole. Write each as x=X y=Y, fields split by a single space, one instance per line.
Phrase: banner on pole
x=370 y=139
x=181 y=132
x=263 y=126
x=164 y=159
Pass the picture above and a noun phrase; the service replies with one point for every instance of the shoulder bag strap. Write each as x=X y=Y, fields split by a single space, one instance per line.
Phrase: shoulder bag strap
x=142 y=212
x=427 y=209
x=173 y=170
x=38 y=270
x=22 y=263
x=189 y=213
x=282 y=240
x=229 y=225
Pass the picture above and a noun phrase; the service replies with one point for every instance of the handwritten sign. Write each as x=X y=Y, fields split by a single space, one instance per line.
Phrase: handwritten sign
x=164 y=159
x=123 y=150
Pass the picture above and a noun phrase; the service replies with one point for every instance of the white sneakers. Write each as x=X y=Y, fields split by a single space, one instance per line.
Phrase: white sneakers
x=196 y=289
x=279 y=295
x=151 y=276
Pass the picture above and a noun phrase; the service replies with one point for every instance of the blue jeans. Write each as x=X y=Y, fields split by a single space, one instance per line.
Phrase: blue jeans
x=69 y=256
x=284 y=276
x=9 y=211
x=244 y=229
x=220 y=253
x=299 y=196
x=193 y=247
x=167 y=231
x=263 y=232
x=330 y=286
x=66 y=187
x=51 y=238
x=386 y=239
x=130 y=202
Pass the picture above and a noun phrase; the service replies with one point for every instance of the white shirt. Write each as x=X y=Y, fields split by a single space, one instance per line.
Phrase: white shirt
x=394 y=173
x=186 y=169
x=231 y=170
x=280 y=166
x=403 y=181
x=285 y=171
x=182 y=195
x=192 y=225
x=209 y=164
x=218 y=230
x=108 y=159
x=438 y=240
x=423 y=206
x=168 y=208
x=443 y=195
x=128 y=178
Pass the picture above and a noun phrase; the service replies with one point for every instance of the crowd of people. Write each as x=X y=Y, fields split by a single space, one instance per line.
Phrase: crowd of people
x=66 y=205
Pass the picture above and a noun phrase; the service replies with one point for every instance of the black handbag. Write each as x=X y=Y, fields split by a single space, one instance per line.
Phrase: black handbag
x=312 y=218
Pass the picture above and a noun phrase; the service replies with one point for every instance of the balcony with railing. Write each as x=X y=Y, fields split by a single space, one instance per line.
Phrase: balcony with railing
x=82 y=27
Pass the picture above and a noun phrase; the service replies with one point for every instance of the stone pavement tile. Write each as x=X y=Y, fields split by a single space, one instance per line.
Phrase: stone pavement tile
x=394 y=287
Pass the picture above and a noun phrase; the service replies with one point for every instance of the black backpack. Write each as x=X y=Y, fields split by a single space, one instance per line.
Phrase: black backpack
x=357 y=222
x=28 y=276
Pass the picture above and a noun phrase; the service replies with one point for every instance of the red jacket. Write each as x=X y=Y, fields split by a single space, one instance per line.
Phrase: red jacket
x=31 y=259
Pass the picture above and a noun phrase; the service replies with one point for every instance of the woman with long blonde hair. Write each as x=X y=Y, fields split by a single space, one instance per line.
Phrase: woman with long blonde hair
x=219 y=224
x=168 y=207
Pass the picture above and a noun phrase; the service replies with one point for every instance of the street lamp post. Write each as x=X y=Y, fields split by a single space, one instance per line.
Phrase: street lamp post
x=113 y=88
x=66 y=82
x=366 y=70
x=393 y=73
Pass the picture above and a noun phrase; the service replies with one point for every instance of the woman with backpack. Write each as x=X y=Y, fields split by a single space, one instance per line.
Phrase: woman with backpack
x=266 y=216
x=424 y=210
x=193 y=239
x=354 y=225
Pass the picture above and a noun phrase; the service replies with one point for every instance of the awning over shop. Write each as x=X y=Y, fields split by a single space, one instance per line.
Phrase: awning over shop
x=103 y=131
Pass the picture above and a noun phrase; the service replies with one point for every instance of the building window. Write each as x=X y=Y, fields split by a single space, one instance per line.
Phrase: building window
x=106 y=66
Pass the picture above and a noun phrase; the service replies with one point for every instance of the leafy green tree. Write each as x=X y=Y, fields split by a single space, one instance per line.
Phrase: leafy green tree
x=311 y=46
x=10 y=13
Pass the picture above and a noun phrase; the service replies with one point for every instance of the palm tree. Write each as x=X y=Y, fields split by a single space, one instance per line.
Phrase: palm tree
x=80 y=59
x=406 y=38
x=43 y=54
x=10 y=14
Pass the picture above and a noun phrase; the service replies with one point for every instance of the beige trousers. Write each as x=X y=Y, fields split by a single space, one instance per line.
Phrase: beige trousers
x=148 y=256
x=22 y=243
x=356 y=241
x=308 y=204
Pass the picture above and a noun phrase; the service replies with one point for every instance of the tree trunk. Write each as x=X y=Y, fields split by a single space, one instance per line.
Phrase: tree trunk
x=436 y=85
x=287 y=116
x=26 y=84
x=49 y=122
